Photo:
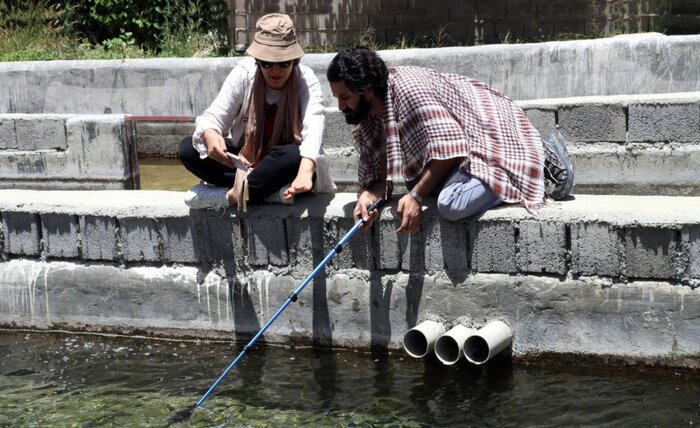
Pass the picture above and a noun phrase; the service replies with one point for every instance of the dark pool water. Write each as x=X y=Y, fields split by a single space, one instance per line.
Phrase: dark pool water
x=53 y=379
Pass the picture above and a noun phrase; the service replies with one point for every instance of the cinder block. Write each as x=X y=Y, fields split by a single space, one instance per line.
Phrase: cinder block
x=445 y=244
x=8 y=136
x=60 y=235
x=98 y=236
x=382 y=20
x=694 y=251
x=357 y=21
x=523 y=10
x=305 y=243
x=183 y=128
x=428 y=19
x=387 y=248
x=367 y=6
x=266 y=241
x=395 y=5
x=2 y=236
x=362 y=248
x=593 y=122
x=159 y=145
x=489 y=9
x=140 y=240
x=543 y=120
x=649 y=252
x=461 y=11
x=213 y=239
x=177 y=243
x=41 y=133
x=493 y=246
x=650 y=122
x=595 y=250
x=337 y=132
x=22 y=233
x=542 y=247
x=412 y=249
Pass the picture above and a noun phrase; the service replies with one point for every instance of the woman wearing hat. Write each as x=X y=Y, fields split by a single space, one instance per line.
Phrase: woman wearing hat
x=270 y=109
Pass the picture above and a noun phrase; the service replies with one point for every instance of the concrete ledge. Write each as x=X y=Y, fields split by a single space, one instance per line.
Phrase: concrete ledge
x=621 y=237
x=630 y=64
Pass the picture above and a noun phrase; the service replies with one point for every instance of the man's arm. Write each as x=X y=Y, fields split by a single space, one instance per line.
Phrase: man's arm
x=409 y=209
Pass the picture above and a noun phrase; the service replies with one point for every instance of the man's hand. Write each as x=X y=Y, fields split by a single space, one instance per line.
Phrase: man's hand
x=216 y=147
x=365 y=199
x=409 y=210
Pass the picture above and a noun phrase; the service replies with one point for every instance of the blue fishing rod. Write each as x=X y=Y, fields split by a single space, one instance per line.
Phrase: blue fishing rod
x=186 y=413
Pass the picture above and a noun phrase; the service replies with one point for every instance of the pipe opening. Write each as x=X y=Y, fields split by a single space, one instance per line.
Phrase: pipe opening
x=476 y=349
x=447 y=350
x=415 y=343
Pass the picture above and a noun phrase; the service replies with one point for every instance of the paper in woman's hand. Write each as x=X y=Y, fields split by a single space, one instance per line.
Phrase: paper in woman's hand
x=236 y=161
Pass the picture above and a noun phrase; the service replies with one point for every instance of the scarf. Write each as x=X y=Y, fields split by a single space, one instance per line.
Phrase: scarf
x=287 y=125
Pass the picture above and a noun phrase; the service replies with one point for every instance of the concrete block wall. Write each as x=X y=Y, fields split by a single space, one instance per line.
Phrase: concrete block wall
x=67 y=152
x=642 y=144
x=452 y=22
x=624 y=238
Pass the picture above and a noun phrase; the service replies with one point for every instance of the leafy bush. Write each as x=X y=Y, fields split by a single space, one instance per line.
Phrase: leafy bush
x=149 y=23
x=32 y=30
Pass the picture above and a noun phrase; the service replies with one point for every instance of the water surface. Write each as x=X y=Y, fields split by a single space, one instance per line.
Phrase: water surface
x=54 y=379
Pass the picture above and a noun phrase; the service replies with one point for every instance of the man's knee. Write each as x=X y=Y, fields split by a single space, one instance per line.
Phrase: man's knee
x=462 y=200
x=451 y=212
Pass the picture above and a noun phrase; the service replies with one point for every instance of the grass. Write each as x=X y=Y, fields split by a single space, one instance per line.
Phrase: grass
x=37 y=31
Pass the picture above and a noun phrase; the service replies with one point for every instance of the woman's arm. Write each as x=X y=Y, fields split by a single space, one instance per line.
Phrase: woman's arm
x=218 y=118
x=313 y=113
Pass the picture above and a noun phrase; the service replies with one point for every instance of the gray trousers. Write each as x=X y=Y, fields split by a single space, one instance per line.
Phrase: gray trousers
x=462 y=195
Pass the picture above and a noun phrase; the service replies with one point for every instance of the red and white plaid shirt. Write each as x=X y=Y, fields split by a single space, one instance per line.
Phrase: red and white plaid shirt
x=432 y=115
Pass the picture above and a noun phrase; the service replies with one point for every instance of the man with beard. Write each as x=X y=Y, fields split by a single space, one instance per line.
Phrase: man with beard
x=444 y=135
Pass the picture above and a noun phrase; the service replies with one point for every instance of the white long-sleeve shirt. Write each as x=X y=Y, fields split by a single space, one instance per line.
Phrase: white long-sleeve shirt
x=228 y=116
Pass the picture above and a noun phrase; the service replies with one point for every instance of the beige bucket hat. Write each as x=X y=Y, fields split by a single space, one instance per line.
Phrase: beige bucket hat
x=275 y=39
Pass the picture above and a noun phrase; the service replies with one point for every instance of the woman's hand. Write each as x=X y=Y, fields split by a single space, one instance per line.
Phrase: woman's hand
x=216 y=147
x=304 y=179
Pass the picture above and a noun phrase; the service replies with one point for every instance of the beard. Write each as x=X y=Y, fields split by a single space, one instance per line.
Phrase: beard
x=360 y=113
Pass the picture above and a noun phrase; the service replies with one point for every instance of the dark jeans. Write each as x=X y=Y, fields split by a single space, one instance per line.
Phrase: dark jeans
x=279 y=167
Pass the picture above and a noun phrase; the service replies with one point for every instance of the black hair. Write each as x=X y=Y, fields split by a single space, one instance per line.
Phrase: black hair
x=361 y=69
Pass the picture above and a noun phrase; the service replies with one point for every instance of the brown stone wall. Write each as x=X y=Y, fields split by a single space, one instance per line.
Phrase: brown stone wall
x=334 y=23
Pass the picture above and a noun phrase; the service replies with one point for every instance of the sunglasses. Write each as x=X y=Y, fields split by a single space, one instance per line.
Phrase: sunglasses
x=283 y=64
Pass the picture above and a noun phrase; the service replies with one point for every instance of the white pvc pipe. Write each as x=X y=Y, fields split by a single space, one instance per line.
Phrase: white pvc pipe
x=449 y=346
x=488 y=341
x=419 y=341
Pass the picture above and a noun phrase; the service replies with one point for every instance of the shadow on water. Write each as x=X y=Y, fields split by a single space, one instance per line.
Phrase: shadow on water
x=103 y=380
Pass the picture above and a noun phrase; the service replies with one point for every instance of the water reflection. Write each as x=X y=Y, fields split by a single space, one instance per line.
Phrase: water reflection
x=159 y=173
x=98 y=380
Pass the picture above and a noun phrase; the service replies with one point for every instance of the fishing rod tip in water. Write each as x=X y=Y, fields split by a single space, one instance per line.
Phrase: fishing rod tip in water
x=183 y=414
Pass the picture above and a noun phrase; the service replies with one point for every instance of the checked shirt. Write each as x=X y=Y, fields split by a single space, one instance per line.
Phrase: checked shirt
x=432 y=115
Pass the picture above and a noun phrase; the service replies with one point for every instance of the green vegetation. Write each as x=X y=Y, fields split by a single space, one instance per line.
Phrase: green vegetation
x=33 y=30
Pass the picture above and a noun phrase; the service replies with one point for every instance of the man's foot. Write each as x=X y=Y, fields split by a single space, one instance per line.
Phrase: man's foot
x=558 y=170
x=202 y=196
